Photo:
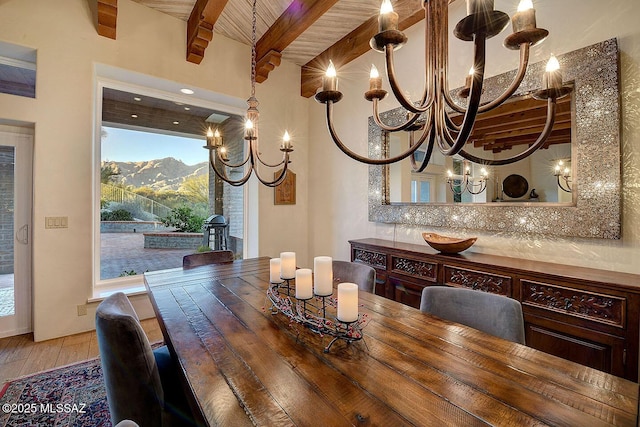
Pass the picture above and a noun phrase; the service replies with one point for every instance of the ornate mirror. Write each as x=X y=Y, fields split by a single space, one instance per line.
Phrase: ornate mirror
x=591 y=162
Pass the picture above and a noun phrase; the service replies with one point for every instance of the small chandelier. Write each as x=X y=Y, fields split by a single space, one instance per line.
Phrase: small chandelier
x=429 y=116
x=218 y=153
x=458 y=184
x=563 y=176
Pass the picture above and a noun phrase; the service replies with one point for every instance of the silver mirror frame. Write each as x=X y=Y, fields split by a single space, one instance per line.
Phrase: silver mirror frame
x=595 y=213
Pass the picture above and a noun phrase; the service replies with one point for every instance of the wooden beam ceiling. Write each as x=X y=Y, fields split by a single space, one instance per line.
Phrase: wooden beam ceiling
x=353 y=45
x=107 y=17
x=203 y=17
x=295 y=20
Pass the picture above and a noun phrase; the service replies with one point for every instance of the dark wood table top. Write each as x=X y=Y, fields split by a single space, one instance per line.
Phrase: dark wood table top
x=246 y=366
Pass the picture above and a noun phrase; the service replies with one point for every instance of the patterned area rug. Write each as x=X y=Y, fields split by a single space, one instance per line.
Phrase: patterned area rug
x=69 y=396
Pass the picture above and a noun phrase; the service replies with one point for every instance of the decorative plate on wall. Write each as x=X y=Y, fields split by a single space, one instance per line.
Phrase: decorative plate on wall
x=515 y=186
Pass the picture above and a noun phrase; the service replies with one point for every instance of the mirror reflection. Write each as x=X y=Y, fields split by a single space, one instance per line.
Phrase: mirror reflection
x=501 y=133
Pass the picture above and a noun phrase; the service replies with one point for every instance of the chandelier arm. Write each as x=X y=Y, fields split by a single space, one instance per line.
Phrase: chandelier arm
x=482 y=186
x=542 y=138
x=223 y=175
x=515 y=84
x=355 y=156
x=428 y=132
x=278 y=180
x=425 y=103
x=232 y=165
x=254 y=144
x=455 y=146
x=568 y=188
x=376 y=117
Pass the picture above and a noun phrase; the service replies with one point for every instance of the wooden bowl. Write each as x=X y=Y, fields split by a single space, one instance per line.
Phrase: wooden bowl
x=448 y=245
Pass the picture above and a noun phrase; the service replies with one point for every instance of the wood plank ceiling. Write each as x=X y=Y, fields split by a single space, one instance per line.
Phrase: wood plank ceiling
x=305 y=32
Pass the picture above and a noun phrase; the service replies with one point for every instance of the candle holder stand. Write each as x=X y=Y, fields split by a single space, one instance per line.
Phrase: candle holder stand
x=314 y=314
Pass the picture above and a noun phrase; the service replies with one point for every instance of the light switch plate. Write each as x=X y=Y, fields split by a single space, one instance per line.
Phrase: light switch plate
x=56 y=222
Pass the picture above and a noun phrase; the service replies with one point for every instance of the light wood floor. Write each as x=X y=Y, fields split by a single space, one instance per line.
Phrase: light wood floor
x=21 y=356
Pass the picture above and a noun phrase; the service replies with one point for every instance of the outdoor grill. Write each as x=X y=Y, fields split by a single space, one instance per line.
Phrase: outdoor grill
x=215 y=232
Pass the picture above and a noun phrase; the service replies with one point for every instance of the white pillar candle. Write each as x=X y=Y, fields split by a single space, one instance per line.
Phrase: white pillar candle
x=288 y=265
x=323 y=275
x=274 y=270
x=347 y=302
x=304 y=288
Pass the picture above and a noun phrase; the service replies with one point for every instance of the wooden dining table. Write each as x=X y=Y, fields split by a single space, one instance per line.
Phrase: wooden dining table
x=244 y=365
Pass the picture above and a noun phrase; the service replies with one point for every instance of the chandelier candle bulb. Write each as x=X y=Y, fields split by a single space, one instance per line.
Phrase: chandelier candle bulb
x=288 y=265
x=248 y=129
x=375 y=81
x=323 y=276
x=286 y=141
x=304 y=287
x=388 y=19
x=209 y=138
x=552 y=78
x=274 y=270
x=330 y=80
x=479 y=6
x=217 y=139
x=347 y=302
x=223 y=154
x=525 y=17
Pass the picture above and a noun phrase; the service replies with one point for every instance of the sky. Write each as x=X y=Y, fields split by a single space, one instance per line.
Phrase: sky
x=123 y=145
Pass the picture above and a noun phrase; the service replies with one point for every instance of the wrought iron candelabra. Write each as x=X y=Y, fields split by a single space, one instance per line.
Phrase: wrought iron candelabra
x=563 y=176
x=459 y=184
x=315 y=314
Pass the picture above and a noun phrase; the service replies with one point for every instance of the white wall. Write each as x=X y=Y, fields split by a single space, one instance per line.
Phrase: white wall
x=338 y=185
x=148 y=42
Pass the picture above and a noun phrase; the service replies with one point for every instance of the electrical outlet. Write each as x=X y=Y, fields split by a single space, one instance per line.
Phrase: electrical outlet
x=82 y=309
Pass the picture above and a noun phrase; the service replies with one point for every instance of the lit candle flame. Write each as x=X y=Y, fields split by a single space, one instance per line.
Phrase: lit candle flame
x=374 y=72
x=484 y=172
x=525 y=5
x=210 y=133
x=386 y=7
x=450 y=174
x=216 y=134
x=553 y=64
x=248 y=124
x=472 y=71
x=331 y=70
x=286 y=137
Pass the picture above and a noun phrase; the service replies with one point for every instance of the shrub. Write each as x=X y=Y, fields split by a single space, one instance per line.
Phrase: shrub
x=203 y=249
x=116 y=215
x=184 y=220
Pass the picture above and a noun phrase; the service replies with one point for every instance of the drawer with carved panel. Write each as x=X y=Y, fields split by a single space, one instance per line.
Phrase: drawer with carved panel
x=420 y=269
x=374 y=259
x=478 y=280
x=598 y=307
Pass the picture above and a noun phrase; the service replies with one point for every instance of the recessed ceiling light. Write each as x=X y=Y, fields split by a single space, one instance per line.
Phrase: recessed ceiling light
x=137 y=98
x=186 y=91
x=187 y=108
x=176 y=122
x=135 y=116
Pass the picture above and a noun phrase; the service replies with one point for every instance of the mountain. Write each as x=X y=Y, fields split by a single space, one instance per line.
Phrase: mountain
x=159 y=174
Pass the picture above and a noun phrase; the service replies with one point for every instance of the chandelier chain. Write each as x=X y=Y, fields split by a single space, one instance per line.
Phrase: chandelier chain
x=253 y=49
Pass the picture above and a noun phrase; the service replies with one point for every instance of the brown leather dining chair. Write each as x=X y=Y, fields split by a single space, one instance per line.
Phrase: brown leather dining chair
x=354 y=272
x=494 y=314
x=204 y=258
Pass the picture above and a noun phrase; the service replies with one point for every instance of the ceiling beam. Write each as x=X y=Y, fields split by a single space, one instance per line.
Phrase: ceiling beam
x=353 y=45
x=107 y=18
x=294 y=21
x=204 y=15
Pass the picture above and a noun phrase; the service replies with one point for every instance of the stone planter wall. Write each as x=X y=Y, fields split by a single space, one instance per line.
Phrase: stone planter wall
x=169 y=240
x=131 y=226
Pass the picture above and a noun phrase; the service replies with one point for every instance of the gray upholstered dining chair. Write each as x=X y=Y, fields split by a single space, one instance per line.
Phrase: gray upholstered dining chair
x=142 y=384
x=354 y=272
x=494 y=314
x=204 y=258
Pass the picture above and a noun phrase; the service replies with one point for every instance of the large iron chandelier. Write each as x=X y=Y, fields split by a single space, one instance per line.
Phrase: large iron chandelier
x=429 y=117
x=218 y=153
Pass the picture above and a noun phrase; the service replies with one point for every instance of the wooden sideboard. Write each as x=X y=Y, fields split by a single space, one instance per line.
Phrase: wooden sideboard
x=584 y=315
